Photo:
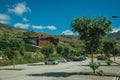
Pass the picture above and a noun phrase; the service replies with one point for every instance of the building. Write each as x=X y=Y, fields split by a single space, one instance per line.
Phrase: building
x=41 y=41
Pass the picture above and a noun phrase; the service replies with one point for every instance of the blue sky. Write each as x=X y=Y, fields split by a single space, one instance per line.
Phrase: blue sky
x=55 y=16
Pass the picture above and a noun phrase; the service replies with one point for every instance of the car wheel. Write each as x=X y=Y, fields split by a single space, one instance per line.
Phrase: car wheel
x=45 y=62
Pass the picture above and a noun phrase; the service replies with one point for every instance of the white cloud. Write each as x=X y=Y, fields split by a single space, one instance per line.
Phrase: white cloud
x=19 y=8
x=51 y=27
x=25 y=19
x=115 y=30
x=38 y=27
x=5 y=19
x=45 y=27
x=20 y=25
x=67 y=32
x=4 y=22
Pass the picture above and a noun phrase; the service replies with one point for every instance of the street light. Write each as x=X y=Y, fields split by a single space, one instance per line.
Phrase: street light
x=115 y=16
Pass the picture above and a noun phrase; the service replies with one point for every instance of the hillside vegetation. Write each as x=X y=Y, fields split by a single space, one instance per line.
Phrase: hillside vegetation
x=115 y=35
x=12 y=32
x=66 y=40
x=13 y=47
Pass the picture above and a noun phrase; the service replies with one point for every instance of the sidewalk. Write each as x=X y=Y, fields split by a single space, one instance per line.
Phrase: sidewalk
x=117 y=61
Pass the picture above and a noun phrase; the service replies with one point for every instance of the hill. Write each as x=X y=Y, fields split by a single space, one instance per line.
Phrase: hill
x=10 y=31
x=115 y=35
x=65 y=40
x=69 y=41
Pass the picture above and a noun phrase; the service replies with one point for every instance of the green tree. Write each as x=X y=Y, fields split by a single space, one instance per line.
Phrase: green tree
x=15 y=56
x=8 y=53
x=39 y=56
x=91 y=31
x=17 y=44
x=94 y=66
x=59 y=49
x=72 y=53
x=66 y=51
x=115 y=49
x=13 y=45
x=1 y=34
x=47 y=50
x=109 y=46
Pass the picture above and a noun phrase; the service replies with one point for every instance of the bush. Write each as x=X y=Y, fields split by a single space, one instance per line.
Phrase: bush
x=30 y=48
x=47 y=50
x=54 y=57
x=3 y=45
x=94 y=66
x=5 y=63
x=102 y=57
x=108 y=62
x=39 y=56
x=100 y=72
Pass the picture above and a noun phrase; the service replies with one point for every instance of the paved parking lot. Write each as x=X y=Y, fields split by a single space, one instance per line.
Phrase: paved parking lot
x=62 y=71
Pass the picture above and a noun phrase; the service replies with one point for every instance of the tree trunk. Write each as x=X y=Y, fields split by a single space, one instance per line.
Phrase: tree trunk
x=14 y=62
x=92 y=57
x=94 y=71
x=114 y=58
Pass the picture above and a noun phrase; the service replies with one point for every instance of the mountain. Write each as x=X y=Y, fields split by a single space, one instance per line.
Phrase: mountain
x=115 y=35
x=70 y=41
x=11 y=31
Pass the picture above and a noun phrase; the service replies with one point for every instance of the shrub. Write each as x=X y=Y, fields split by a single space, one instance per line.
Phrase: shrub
x=39 y=56
x=108 y=62
x=30 y=48
x=94 y=66
x=5 y=63
x=47 y=50
x=54 y=57
x=100 y=72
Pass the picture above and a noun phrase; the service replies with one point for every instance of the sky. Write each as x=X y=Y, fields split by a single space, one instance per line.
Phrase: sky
x=55 y=16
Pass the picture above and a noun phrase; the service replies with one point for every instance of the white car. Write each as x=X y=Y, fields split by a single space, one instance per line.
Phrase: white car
x=51 y=62
x=62 y=60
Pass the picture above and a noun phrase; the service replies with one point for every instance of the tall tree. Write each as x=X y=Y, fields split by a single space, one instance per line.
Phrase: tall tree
x=115 y=52
x=109 y=47
x=59 y=50
x=91 y=31
x=66 y=51
x=1 y=34
x=47 y=50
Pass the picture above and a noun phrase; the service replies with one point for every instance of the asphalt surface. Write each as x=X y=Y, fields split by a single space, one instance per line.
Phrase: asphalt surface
x=62 y=71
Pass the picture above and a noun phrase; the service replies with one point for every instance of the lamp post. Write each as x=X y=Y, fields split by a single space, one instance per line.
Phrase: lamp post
x=115 y=16
x=114 y=51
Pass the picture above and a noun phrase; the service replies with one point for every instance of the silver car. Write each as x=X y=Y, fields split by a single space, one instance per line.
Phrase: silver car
x=51 y=62
x=62 y=60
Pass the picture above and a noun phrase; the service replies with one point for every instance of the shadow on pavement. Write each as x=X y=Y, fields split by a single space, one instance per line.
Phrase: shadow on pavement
x=104 y=65
x=66 y=74
x=18 y=69
x=36 y=64
x=53 y=74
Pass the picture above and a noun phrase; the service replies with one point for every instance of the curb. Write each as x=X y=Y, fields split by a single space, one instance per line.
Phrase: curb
x=117 y=78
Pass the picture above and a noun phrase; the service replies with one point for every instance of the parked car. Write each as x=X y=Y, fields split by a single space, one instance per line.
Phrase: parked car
x=102 y=58
x=51 y=62
x=62 y=60
x=68 y=59
x=79 y=58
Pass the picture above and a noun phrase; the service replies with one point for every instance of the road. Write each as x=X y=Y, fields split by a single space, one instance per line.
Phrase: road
x=39 y=71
